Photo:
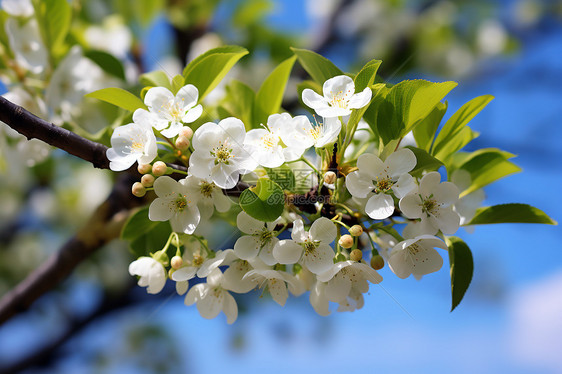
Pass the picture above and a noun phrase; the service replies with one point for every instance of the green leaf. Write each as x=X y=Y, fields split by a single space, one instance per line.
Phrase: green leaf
x=406 y=104
x=454 y=144
x=318 y=67
x=270 y=95
x=147 y=10
x=177 y=83
x=118 y=97
x=458 y=120
x=54 y=18
x=207 y=70
x=283 y=176
x=239 y=102
x=424 y=133
x=137 y=224
x=109 y=63
x=303 y=86
x=250 y=12
x=152 y=240
x=156 y=79
x=486 y=166
x=462 y=267
x=425 y=161
x=265 y=202
x=510 y=213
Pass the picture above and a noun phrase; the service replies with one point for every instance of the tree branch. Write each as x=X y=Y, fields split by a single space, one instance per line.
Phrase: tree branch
x=104 y=226
x=32 y=126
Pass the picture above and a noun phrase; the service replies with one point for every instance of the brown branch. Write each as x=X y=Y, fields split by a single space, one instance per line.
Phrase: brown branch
x=104 y=226
x=32 y=126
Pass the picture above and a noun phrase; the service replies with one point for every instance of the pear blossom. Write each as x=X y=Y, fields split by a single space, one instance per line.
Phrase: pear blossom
x=152 y=273
x=261 y=239
x=416 y=256
x=219 y=154
x=196 y=261
x=432 y=202
x=25 y=41
x=213 y=297
x=131 y=143
x=272 y=146
x=234 y=276
x=311 y=248
x=352 y=302
x=170 y=111
x=344 y=275
x=305 y=135
x=375 y=180
x=277 y=283
x=339 y=97
x=319 y=300
x=17 y=8
x=209 y=196
x=174 y=204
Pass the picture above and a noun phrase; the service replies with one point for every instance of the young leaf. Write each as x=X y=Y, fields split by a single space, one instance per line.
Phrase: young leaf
x=156 y=79
x=510 y=213
x=458 y=120
x=239 y=102
x=109 y=63
x=152 y=240
x=54 y=17
x=318 y=67
x=425 y=161
x=265 y=202
x=207 y=70
x=283 y=176
x=424 y=133
x=454 y=144
x=137 y=224
x=177 y=83
x=462 y=267
x=118 y=97
x=270 y=94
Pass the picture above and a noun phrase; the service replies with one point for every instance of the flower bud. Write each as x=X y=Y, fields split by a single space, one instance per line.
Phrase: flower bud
x=170 y=272
x=159 y=168
x=356 y=230
x=330 y=177
x=356 y=255
x=144 y=168
x=147 y=180
x=377 y=262
x=346 y=241
x=186 y=132
x=138 y=189
x=182 y=143
x=176 y=262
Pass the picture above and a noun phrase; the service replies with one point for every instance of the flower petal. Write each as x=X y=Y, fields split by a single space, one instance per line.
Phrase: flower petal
x=313 y=100
x=359 y=100
x=320 y=259
x=400 y=162
x=247 y=247
x=410 y=205
x=323 y=230
x=287 y=252
x=380 y=206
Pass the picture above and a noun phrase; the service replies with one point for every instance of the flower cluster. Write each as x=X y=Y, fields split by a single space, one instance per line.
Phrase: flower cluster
x=315 y=245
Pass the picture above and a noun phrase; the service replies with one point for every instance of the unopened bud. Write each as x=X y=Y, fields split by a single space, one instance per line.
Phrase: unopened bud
x=356 y=255
x=176 y=262
x=138 y=189
x=144 y=168
x=346 y=241
x=377 y=262
x=159 y=168
x=147 y=180
x=356 y=230
x=182 y=143
x=330 y=177
x=186 y=132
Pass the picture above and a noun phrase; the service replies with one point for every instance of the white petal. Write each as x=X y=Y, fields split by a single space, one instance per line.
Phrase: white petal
x=287 y=252
x=166 y=187
x=410 y=205
x=341 y=85
x=323 y=230
x=298 y=234
x=247 y=247
x=157 y=97
x=320 y=259
x=248 y=224
x=266 y=253
x=446 y=193
x=333 y=112
x=234 y=279
x=313 y=100
x=211 y=305
x=429 y=183
x=188 y=95
x=368 y=272
x=221 y=201
x=230 y=308
x=318 y=299
x=338 y=288
x=359 y=100
x=370 y=165
x=333 y=270
x=196 y=293
x=160 y=210
x=357 y=185
x=234 y=128
x=380 y=206
x=278 y=290
x=181 y=287
x=400 y=162
x=193 y=114
x=185 y=273
x=404 y=185
x=448 y=221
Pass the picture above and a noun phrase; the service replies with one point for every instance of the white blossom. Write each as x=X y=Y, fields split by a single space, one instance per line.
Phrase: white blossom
x=277 y=283
x=376 y=180
x=219 y=153
x=342 y=276
x=416 y=256
x=196 y=261
x=172 y=111
x=26 y=43
x=311 y=248
x=18 y=8
x=212 y=298
x=152 y=273
x=261 y=239
x=306 y=135
x=339 y=97
x=208 y=195
x=432 y=202
x=271 y=146
x=175 y=205
x=131 y=143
